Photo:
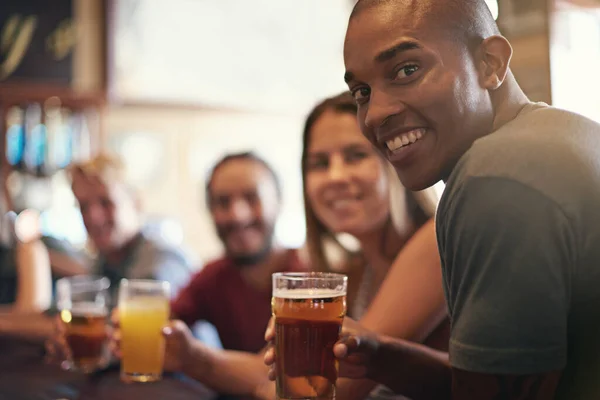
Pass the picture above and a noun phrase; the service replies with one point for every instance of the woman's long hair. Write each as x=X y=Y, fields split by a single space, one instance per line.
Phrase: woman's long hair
x=320 y=240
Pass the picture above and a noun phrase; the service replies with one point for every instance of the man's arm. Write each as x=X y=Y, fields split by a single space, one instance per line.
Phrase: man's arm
x=473 y=386
x=410 y=303
x=411 y=369
x=421 y=373
x=36 y=327
x=230 y=372
x=508 y=251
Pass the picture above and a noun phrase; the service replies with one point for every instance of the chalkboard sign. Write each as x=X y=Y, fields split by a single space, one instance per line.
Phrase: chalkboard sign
x=37 y=38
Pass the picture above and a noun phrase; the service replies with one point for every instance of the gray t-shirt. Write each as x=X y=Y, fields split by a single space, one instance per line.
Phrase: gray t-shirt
x=518 y=228
x=149 y=258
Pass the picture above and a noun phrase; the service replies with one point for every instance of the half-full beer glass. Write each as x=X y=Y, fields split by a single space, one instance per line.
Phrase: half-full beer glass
x=143 y=312
x=309 y=309
x=83 y=303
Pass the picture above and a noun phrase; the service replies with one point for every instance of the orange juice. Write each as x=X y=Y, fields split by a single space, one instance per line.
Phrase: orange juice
x=142 y=319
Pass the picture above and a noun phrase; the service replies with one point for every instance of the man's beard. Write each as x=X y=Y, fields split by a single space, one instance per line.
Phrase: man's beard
x=249 y=259
x=246 y=260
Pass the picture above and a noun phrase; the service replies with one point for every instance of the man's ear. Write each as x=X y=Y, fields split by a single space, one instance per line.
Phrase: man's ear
x=495 y=55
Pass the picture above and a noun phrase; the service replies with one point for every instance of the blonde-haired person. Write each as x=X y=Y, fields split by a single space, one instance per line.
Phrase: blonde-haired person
x=112 y=216
x=395 y=274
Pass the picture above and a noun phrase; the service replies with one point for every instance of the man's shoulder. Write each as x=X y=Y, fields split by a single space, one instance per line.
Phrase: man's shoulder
x=215 y=270
x=535 y=140
x=297 y=260
x=157 y=248
x=552 y=151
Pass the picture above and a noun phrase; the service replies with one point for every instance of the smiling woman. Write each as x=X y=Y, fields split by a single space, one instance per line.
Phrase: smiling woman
x=349 y=189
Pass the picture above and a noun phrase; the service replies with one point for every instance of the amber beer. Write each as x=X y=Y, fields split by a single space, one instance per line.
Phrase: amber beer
x=309 y=310
x=87 y=336
x=83 y=303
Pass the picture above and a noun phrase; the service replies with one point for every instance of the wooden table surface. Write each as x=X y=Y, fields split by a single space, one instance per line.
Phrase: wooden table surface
x=25 y=376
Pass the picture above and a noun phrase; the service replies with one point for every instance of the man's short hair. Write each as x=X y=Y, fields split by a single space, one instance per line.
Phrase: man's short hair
x=246 y=155
x=467 y=21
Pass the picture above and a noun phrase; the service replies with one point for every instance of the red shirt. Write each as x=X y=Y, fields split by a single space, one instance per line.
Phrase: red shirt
x=218 y=294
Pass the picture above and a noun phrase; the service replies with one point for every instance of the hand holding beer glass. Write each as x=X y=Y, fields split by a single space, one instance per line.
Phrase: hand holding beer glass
x=83 y=303
x=309 y=309
x=143 y=313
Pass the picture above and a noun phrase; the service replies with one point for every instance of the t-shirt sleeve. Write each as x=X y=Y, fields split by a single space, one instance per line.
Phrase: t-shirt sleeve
x=173 y=268
x=508 y=254
x=191 y=304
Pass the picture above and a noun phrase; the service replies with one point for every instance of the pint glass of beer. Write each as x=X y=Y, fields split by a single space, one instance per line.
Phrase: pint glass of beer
x=143 y=312
x=83 y=303
x=309 y=309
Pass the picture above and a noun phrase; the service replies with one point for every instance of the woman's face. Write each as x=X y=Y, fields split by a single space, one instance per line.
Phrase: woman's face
x=346 y=183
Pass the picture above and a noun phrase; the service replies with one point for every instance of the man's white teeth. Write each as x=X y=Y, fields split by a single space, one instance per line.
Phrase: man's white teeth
x=405 y=139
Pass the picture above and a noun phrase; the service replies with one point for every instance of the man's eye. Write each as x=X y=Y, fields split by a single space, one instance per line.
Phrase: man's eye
x=407 y=71
x=361 y=93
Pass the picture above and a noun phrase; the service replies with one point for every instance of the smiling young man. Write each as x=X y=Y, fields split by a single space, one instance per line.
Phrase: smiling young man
x=518 y=227
x=233 y=293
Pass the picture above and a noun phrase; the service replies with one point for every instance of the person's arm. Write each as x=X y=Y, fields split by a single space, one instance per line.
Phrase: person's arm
x=34 y=288
x=422 y=373
x=473 y=385
x=407 y=368
x=24 y=318
x=508 y=253
x=65 y=265
x=36 y=327
x=230 y=372
x=410 y=303
x=172 y=267
x=226 y=371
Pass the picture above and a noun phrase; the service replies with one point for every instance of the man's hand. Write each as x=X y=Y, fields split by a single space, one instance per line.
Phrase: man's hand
x=57 y=348
x=355 y=350
x=178 y=343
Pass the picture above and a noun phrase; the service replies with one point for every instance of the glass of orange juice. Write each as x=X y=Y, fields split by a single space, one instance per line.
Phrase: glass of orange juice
x=143 y=312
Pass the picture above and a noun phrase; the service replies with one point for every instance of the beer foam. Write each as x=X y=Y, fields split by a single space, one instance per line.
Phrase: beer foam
x=145 y=303
x=88 y=310
x=308 y=293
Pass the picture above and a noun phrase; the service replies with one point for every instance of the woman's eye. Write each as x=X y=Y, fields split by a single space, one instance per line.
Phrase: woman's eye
x=407 y=71
x=316 y=164
x=355 y=156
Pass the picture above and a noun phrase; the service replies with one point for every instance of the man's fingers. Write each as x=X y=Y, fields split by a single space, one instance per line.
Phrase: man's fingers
x=269 y=357
x=352 y=371
x=115 y=343
x=270 y=332
x=114 y=318
x=179 y=327
x=340 y=350
x=347 y=345
x=272 y=372
x=59 y=326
